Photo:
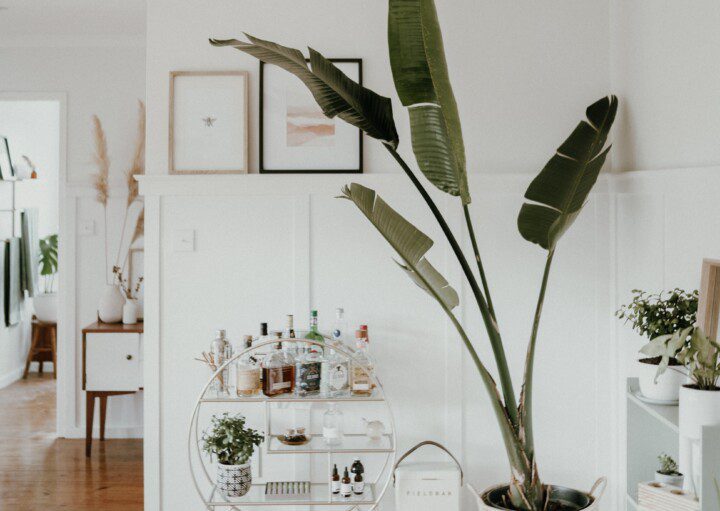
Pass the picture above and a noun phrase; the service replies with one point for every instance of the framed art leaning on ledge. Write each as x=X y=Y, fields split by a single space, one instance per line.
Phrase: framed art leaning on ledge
x=208 y=122
x=295 y=135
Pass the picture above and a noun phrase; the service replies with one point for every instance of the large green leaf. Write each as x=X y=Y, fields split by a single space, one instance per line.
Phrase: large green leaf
x=407 y=240
x=336 y=94
x=560 y=190
x=417 y=57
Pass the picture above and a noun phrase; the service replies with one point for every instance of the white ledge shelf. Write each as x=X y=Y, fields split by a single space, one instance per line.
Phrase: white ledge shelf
x=319 y=496
x=291 y=398
x=667 y=415
x=350 y=444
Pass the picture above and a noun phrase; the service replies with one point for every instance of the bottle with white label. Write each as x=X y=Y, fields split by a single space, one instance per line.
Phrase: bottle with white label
x=335 y=481
x=333 y=425
x=278 y=372
x=346 y=484
x=362 y=366
x=248 y=373
x=334 y=374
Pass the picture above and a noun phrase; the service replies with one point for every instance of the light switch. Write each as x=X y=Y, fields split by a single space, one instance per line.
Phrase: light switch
x=86 y=227
x=184 y=240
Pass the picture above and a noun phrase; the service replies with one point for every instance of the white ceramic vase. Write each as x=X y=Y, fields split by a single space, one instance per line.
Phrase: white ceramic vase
x=667 y=387
x=669 y=480
x=234 y=480
x=110 y=308
x=698 y=408
x=130 y=312
x=45 y=306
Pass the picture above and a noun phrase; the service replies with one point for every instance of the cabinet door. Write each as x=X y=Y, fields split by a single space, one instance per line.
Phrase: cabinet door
x=112 y=361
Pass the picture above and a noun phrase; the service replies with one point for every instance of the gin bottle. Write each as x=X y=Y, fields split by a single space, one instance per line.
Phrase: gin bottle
x=335 y=374
x=289 y=333
x=307 y=373
x=314 y=334
x=362 y=366
x=221 y=350
x=248 y=373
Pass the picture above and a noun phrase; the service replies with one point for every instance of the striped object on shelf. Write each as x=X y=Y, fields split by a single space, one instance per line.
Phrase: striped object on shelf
x=294 y=490
x=653 y=496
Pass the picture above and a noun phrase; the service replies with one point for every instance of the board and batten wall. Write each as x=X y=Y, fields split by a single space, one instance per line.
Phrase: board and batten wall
x=266 y=246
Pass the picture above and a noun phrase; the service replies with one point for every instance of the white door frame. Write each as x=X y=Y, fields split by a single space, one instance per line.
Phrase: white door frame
x=66 y=395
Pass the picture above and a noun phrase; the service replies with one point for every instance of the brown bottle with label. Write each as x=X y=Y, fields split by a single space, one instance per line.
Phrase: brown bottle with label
x=278 y=371
x=346 y=485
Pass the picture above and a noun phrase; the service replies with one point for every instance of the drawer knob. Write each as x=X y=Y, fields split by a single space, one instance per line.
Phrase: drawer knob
x=129 y=357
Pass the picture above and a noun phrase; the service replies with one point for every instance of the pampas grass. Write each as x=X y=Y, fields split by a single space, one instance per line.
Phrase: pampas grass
x=100 y=180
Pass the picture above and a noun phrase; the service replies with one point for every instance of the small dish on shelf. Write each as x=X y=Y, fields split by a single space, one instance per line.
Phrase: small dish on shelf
x=294 y=436
x=650 y=401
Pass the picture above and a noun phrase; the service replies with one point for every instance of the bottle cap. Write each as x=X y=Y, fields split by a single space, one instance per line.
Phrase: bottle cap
x=313 y=313
x=339 y=311
x=363 y=327
x=277 y=334
x=220 y=333
x=247 y=339
x=263 y=328
x=289 y=320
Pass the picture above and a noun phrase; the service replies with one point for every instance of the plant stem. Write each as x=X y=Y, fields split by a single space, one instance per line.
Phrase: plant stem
x=490 y=323
x=526 y=395
x=476 y=250
x=106 y=243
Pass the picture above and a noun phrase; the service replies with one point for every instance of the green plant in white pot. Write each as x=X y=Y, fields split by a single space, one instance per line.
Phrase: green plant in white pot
x=658 y=317
x=667 y=472
x=45 y=303
x=554 y=200
x=233 y=444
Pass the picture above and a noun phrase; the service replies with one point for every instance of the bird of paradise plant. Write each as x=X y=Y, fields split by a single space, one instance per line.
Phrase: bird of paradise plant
x=554 y=199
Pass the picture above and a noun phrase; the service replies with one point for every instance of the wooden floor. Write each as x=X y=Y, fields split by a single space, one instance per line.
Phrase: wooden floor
x=39 y=472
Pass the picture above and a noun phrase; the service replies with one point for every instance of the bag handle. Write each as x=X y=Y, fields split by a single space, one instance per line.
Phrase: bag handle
x=428 y=442
x=600 y=482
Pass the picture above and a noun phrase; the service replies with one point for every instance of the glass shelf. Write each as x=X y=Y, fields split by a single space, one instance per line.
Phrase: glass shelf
x=350 y=444
x=289 y=398
x=319 y=496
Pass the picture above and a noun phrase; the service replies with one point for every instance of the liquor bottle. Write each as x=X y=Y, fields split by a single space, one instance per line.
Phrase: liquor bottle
x=346 y=485
x=248 y=373
x=314 y=334
x=357 y=467
x=221 y=350
x=307 y=373
x=362 y=366
x=339 y=329
x=334 y=375
x=333 y=425
x=358 y=485
x=278 y=373
x=289 y=333
x=335 y=484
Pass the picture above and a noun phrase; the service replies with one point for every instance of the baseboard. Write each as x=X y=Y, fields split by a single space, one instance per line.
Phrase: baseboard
x=110 y=432
x=11 y=377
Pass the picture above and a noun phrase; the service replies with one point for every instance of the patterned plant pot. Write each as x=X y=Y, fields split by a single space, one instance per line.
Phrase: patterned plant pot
x=234 y=480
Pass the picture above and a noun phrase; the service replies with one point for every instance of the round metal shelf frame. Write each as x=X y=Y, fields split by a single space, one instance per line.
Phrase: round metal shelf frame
x=382 y=480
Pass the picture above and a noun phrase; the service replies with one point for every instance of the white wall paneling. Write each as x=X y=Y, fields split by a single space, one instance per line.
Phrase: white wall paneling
x=271 y=245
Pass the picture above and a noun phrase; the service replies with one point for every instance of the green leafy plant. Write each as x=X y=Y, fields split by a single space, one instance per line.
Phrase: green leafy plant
x=697 y=352
x=230 y=440
x=555 y=198
x=663 y=313
x=668 y=466
x=48 y=261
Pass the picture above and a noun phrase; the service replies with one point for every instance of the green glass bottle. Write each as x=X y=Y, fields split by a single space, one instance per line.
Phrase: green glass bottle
x=314 y=334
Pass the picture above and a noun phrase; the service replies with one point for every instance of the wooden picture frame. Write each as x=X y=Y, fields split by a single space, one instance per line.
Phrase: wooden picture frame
x=268 y=167
x=192 y=151
x=709 y=300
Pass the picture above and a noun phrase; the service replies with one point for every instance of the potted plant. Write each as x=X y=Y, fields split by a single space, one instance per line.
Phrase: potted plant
x=233 y=444
x=45 y=303
x=657 y=317
x=668 y=472
x=554 y=200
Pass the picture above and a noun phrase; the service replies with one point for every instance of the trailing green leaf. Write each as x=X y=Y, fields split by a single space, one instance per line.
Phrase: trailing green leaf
x=417 y=57
x=560 y=190
x=335 y=93
x=408 y=241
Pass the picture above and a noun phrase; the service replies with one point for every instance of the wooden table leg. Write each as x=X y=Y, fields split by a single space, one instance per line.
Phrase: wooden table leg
x=31 y=353
x=89 y=416
x=53 y=340
x=103 y=413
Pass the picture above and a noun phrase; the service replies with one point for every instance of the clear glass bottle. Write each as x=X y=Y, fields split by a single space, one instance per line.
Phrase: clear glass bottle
x=248 y=373
x=278 y=373
x=335 y=374
x=307 y=373
x=289 y=333
x=261 y=353
x=222 y=351
x=340 y=327
x=333 y=425
x=314 y=334
x=362 y=366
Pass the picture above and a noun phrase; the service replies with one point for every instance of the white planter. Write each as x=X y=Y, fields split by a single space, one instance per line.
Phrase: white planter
x=698 y=408
x=234 y=480
x=668 y=384
x=590 y=500
x=110 y=308
x=45 y=306
x=669 y=480
x=130 y=312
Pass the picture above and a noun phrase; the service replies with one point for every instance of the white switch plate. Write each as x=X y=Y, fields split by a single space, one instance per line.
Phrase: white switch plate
x=86 y=227
x=184 y=240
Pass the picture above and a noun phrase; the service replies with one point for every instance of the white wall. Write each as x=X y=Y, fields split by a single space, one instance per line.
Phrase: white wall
x=661 y=62
x=33 y=129
x=105 y=80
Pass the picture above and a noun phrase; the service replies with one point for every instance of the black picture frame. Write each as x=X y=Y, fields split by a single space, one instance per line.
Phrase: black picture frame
x=261 y=145
x=7 y=172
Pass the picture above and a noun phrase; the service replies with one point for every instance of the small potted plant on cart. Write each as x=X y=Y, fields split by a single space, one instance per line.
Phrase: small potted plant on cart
x=667 y=472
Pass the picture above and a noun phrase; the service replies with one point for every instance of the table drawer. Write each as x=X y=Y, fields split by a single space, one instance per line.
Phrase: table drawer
x=112 y=362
